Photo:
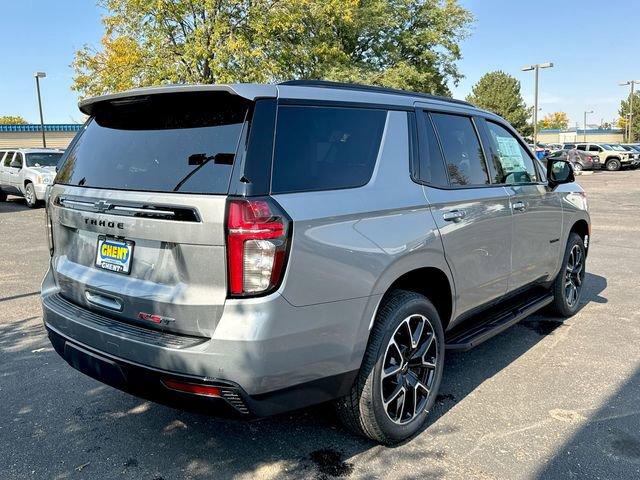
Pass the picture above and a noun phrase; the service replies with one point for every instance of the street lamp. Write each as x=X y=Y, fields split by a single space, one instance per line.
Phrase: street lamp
x=624 y=84
x=38 y=76
x=585 y=125
x=536 y=67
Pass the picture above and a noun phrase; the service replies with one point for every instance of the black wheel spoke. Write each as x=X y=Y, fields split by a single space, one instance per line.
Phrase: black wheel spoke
x=409 y=369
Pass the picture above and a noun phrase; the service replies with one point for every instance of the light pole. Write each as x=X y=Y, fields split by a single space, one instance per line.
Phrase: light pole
x=536 y=68
x=38 y=76
x=632 y=83
x=584 y=132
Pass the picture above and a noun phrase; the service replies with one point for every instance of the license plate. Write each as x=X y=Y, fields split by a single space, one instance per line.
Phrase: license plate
x=114 y=254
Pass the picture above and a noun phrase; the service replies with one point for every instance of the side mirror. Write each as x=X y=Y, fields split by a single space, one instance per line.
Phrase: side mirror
x=559 y=172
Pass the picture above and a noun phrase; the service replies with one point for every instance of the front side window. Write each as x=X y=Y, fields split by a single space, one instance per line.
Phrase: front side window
x=512 y=163
x=17 y=160
x=325 y=148
x=462 y=151
x=582 y=147
x=594 y=148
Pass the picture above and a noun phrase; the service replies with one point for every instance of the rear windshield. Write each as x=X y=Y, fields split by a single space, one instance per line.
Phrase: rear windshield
x=166 y=143
x=43 y=159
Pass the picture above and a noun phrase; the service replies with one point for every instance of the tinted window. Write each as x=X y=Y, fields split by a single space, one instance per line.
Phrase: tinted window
x=182 y=142
x=17 y=160
x=325 y=148
x=43 y=159
x=432 y=168
x=7 y=159
x=581 y=147
x=462 y=151
x=511 y=161
x=593 y=148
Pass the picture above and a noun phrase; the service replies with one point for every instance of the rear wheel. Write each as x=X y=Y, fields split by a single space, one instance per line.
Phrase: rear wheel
x=612 y=165
x=567 y=287
x=30 y=195
x=577 y=167
x=400 y=373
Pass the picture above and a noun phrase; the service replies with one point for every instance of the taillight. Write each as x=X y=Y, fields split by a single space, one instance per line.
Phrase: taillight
x=258 y=233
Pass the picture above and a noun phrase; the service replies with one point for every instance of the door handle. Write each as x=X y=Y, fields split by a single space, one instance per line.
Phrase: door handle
x=519 y=206
x=103 y=301
x=453 y=215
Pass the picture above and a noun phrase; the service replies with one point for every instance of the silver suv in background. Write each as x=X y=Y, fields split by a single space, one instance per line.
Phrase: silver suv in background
x=611 y=156
x=27 y=172
x=261 y=248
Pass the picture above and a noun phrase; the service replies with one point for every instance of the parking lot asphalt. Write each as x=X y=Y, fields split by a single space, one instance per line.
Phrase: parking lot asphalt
x=545 y=399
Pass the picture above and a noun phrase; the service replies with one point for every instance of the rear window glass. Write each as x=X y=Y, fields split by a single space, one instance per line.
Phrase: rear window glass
x=182 y=142
x=325 y=148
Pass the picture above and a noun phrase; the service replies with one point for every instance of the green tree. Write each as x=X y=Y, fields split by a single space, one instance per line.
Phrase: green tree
x=623 y=122
x=12 y=120
x=555 y=120
x=412 y=44
x=499 y=93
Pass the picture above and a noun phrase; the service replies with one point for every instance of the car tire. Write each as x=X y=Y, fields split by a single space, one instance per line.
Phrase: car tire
x=3 y=196
x=568 y=285
x=397 y=373
x=30 y=195
x=577 y=168
x=613 y=165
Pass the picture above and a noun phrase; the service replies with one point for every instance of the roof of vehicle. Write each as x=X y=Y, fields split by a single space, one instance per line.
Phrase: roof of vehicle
x=295 y=90
x=34 y=150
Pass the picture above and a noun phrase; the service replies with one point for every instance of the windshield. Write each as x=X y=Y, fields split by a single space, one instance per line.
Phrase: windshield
x=619 y=148
x=183 y=142
x=606 y=146
x=43 y=159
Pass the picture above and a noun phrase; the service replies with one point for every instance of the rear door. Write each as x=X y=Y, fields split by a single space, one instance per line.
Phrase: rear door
x=139 y=209
x=473 y=215
x=537 y=210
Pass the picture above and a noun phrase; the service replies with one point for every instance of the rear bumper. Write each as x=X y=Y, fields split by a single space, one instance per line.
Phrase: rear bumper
x=273 y=356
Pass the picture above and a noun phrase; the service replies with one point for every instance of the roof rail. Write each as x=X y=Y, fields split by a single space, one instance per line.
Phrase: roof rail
x=370 y=88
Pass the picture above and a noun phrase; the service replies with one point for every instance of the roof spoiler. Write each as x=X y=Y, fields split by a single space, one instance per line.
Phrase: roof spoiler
x=249 y=91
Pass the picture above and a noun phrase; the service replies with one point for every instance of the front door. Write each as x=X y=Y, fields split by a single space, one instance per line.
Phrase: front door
x=473 y=217
x=537 y=210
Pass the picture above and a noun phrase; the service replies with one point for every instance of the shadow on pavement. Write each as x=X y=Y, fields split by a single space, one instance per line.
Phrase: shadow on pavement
x=110 y=434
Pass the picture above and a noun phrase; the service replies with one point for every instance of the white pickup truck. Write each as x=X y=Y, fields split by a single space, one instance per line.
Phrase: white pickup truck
x=26 y=172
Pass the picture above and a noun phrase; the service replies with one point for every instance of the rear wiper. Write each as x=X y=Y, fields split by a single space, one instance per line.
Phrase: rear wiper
x=200 y=159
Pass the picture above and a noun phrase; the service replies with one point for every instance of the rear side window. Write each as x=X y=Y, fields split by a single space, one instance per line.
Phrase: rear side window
x=582 y=147
x=184 y=142
x=593 y=148
x=325 y=148
x=462 y=150
x=431 y=161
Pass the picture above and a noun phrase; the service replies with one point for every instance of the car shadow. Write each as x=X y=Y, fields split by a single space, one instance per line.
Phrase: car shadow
x=13 y=204
x=97 y=427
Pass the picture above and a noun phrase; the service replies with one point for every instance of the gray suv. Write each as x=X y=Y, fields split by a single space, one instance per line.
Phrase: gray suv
x=259 y=248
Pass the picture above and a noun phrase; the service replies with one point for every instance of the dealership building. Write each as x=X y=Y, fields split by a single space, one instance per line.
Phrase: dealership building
x=57 y=135
x=572 y=135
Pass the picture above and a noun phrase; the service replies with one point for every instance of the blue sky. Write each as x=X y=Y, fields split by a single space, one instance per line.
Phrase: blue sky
x=594 y=45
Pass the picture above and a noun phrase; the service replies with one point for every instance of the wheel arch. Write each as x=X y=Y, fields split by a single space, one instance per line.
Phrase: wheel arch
x=581 y=227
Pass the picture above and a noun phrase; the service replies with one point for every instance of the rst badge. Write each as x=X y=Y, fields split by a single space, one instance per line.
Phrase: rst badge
x=114 y=254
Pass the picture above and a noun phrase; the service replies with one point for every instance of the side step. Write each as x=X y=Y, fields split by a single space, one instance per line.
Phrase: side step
x=475 y=331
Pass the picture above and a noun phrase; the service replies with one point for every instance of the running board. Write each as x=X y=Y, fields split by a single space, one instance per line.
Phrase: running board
x=472 y=333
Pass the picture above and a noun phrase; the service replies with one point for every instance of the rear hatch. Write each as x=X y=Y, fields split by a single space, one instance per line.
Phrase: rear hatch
x=138 y=209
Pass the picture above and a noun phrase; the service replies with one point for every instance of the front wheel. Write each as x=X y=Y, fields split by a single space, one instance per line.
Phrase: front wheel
x=577 y=168
x=400 y=373
x=613 y=165
x=30 y=195
x=567 y=287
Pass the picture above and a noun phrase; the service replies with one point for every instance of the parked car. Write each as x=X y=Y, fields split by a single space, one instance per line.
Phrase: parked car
x=579 y=160
x=554 y=147
x=568 y=146
x=261 y=248
x=612 y=159
x=26 y=172
x=632 y=149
